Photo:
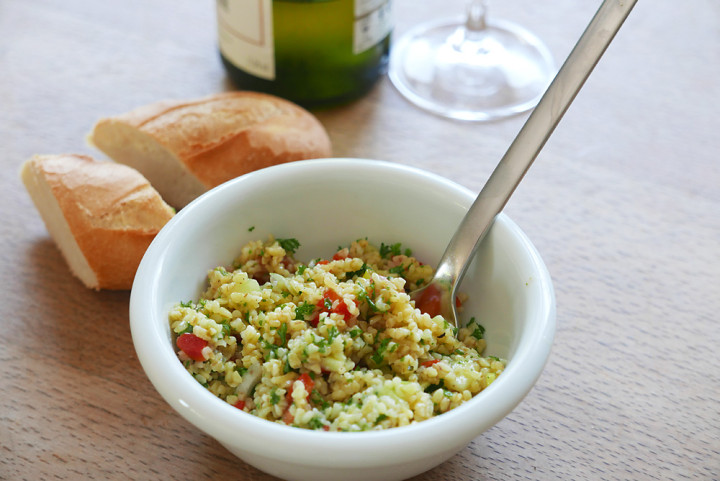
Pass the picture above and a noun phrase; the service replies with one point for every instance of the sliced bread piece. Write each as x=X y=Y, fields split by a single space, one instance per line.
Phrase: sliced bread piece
x=185 y=148
x=101 y=215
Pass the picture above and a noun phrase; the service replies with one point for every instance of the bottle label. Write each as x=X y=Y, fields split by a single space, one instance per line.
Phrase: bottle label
x=245 y=35
x=373 y=22
x=245 y=32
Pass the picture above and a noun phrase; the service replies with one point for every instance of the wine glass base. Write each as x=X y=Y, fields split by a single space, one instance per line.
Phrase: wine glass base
x=507 y=72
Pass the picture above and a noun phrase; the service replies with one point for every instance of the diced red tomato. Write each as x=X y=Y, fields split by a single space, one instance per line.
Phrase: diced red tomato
x=315 y=319
x=309 y=385
x=192 y=346
x=307 y=381
x=326 y=428
x=332 y=295
x=338 y=256
x=240 y=404
x=430 y=362
x=288 y=263
x=323 y=262
x=338 y=307
x=429 y=302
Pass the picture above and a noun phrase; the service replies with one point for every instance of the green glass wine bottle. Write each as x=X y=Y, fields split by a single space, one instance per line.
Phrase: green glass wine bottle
x=313 y=52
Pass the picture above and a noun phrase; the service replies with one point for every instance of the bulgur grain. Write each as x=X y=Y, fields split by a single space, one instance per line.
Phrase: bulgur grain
x=335 y=344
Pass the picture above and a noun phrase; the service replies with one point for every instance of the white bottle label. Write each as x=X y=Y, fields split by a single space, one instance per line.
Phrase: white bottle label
x=373 y=21
x=245 y=35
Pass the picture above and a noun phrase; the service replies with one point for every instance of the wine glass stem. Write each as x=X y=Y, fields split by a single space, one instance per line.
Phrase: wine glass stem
x=476 y=15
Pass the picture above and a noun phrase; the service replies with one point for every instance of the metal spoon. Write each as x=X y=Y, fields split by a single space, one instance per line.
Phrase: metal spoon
x=438 y=297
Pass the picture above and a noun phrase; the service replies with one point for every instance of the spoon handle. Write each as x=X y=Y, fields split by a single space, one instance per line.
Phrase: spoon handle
x=531 y=138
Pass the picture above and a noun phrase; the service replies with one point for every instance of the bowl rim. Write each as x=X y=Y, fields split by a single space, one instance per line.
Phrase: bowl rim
x=231 y=426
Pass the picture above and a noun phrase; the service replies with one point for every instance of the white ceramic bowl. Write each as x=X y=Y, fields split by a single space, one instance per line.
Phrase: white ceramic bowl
x=326 y=203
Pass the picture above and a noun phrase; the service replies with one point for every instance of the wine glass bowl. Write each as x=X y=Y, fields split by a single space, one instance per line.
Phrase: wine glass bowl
x=471 y=68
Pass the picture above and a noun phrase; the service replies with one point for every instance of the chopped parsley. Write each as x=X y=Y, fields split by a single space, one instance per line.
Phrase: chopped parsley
x=290 y=245
x=358 y=273
x=282 y=333
x=304 y=310
x=434 y=387
x=328 y=303
x=187 y=330
x=322 y=344
x=332 y=333
x=378 y=356
x=387 y=251
x=274 y=397
x=397 y=270
x=270 y=348
x=317 y=399
x=392 y=250
x=315 y=423
x=479 y=331
x=226 y=328
x=286 y=367
x=447 y=325
x=363 y=296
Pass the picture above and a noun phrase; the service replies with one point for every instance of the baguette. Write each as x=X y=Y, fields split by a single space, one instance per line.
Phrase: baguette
x=185 y=148
x=101 y=215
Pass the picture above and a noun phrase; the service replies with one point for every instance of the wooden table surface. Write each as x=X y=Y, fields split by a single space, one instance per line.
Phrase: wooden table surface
x=623 y=204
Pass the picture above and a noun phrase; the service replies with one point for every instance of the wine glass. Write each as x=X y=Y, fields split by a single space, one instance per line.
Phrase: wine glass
x=471 y=68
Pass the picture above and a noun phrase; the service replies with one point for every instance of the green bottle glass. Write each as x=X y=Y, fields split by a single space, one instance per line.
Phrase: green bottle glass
x=312 y=52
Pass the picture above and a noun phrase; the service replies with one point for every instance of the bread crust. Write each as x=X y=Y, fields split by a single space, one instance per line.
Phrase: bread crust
x=111 y=210
x=223 y=136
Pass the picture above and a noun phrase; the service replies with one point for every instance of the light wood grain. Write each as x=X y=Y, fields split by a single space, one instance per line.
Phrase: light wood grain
x=623 y=204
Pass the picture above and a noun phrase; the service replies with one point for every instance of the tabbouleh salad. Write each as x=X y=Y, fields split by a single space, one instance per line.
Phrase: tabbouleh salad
x=335 y=344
